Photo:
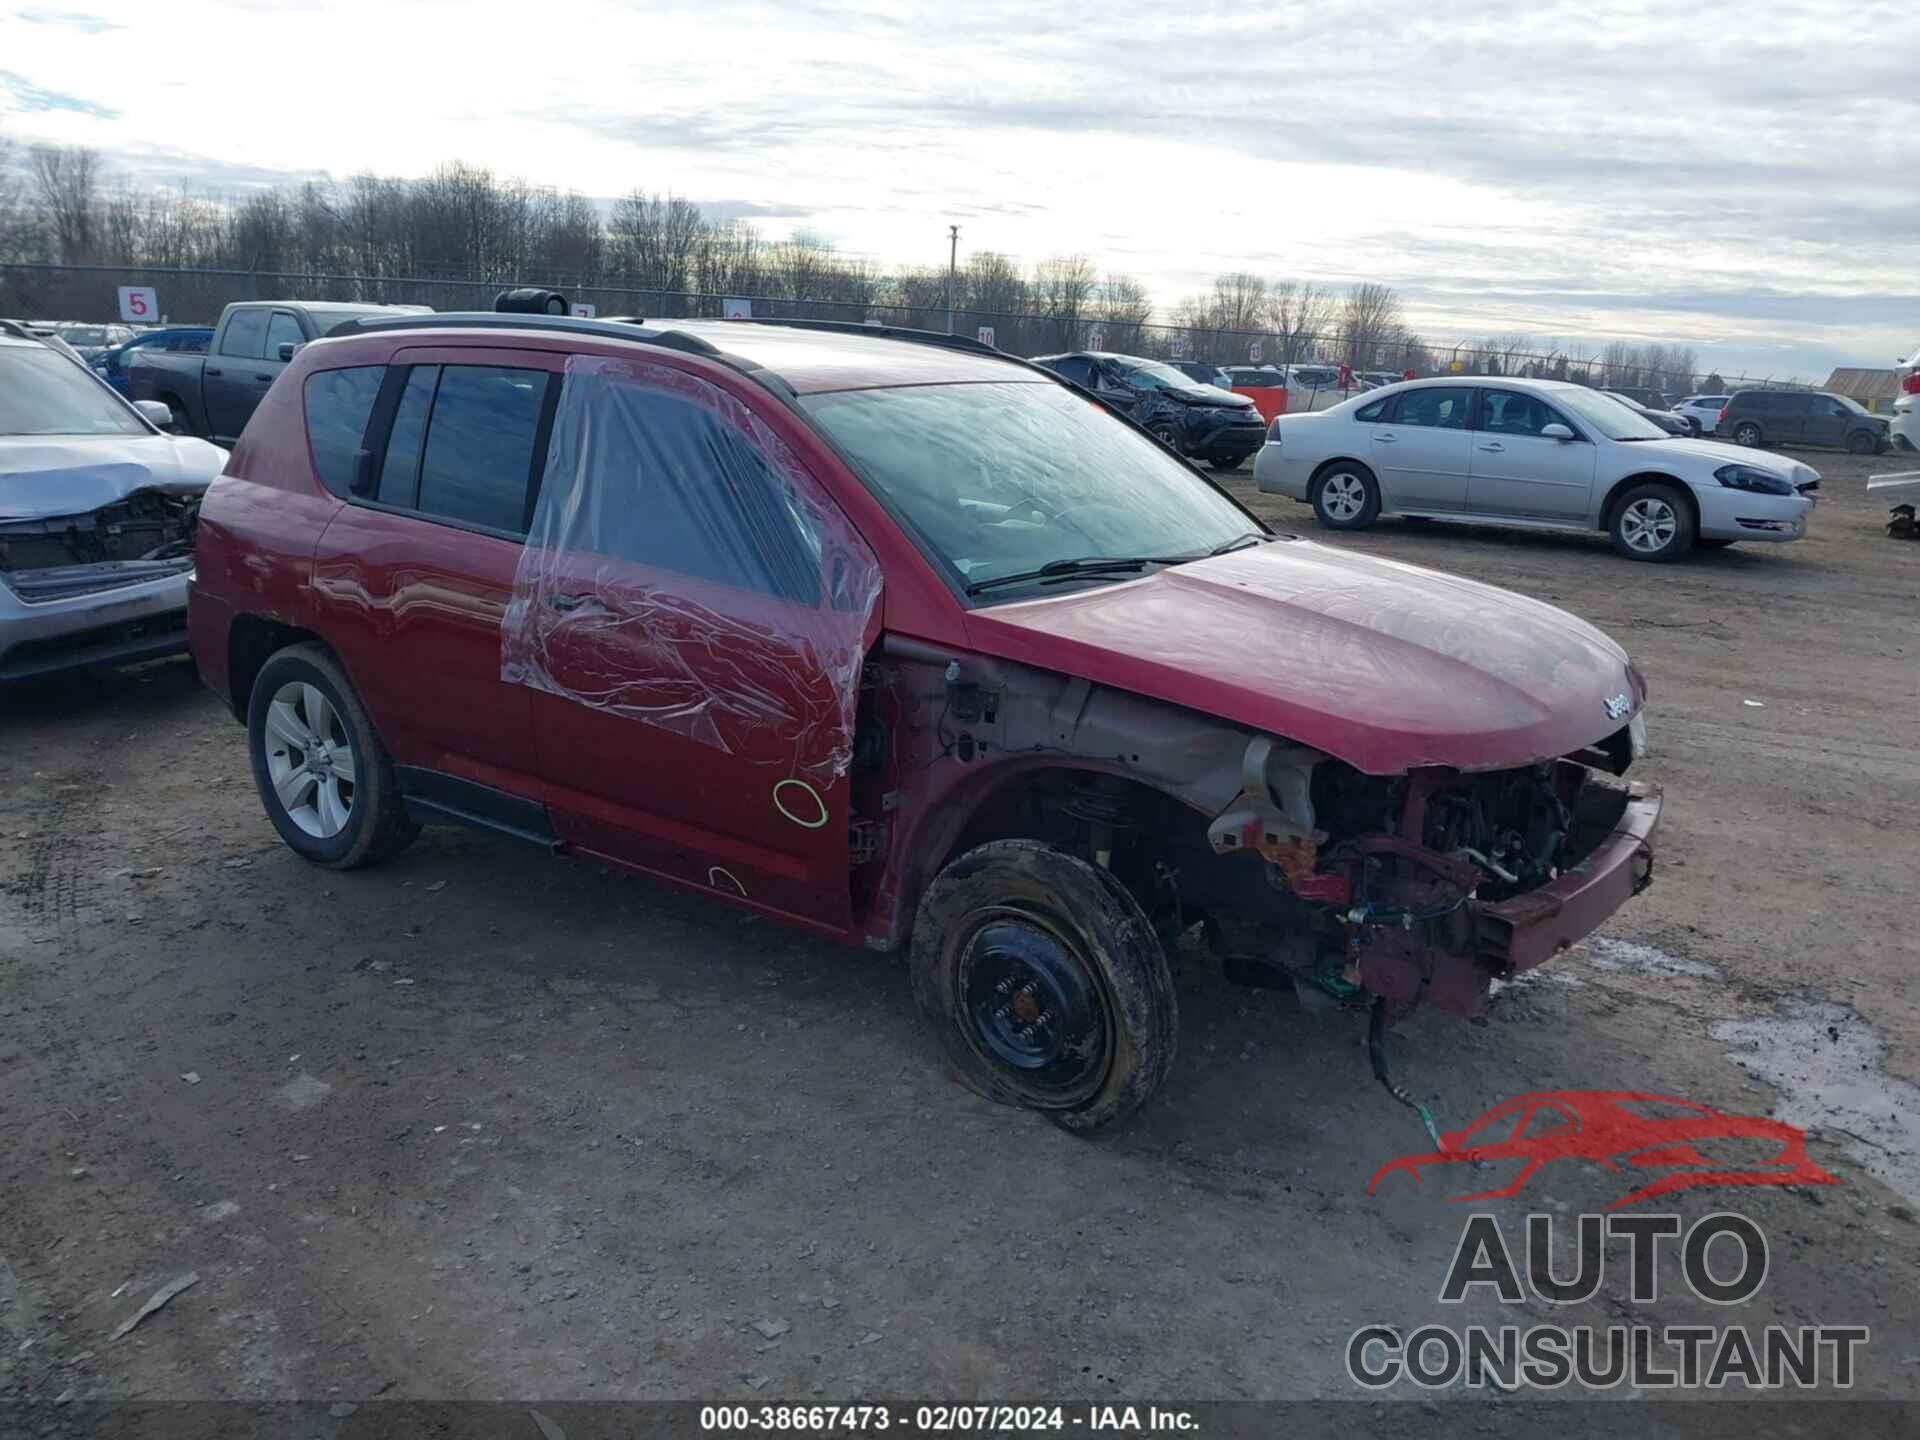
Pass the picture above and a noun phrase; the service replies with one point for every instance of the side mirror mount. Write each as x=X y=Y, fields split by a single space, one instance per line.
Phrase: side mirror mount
x=288 y=349
x=157 y=412
x=1556 y=431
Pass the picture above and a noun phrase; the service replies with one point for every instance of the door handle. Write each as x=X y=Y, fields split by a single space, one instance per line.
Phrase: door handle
x=1383 y=440
x=216 y=374
x=1493 y=445
x=267 y=377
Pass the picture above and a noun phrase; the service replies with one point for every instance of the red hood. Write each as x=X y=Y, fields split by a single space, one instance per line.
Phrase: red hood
x=1386 y=666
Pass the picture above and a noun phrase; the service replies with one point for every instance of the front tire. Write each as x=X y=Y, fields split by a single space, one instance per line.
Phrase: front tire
x=1652 y=522
x=1346 y=496
x=1167 y=435
x=1046 y=983
x=1861 y=443
x=1747 y=433
x=324 y=778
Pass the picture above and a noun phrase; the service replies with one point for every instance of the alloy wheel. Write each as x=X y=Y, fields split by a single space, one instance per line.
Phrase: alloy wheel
x=1343 y=496
x=310 y=759
x=1649 y=525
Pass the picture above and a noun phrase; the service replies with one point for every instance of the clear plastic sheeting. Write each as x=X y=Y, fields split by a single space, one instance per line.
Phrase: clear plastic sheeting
x=684 y=570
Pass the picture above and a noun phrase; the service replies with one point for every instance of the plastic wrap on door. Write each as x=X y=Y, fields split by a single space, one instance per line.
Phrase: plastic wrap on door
x=684 y=570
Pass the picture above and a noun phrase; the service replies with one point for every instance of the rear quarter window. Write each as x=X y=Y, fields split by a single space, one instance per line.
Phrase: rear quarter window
x=338 y=404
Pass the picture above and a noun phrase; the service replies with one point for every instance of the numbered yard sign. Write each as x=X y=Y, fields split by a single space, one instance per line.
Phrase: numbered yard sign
x=1179 y=347
x=139 y=305
x=1097 y=340
x=734 y=308
x=1255 y=351
x=985 y=332
x=584 y=312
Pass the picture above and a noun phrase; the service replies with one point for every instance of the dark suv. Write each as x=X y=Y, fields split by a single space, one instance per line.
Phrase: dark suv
x=1201 y=421
x=907 y=642
x=1801 y=417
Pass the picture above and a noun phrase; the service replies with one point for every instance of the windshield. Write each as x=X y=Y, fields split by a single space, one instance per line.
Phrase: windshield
x=1150 y=375
x=44 y=393
x=1614 y=419
x=1000 y=479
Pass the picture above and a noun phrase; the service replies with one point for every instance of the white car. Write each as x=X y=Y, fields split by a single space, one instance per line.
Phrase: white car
x=1701 y=412
x=1543 y=454
x=1905 y=433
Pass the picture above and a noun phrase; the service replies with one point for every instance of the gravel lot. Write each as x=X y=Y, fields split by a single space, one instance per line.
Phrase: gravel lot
x=483 y=1125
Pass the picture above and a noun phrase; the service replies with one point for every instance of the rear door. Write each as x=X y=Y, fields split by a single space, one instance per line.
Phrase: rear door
x=412 y=578
x=235 y=375
x=1423 y=455
x=1518 y=471
x=1786 y=422
x=690 y=627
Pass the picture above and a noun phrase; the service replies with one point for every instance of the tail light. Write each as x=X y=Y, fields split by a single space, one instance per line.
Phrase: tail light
x=1911 y=385
x=1721 y=416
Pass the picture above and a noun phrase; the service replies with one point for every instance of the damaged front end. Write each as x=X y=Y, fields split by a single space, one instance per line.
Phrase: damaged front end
x=103 y=586
x=1423 y=887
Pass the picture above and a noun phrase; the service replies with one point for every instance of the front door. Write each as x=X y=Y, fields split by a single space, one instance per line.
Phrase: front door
x=1520 y=472
x=690 y=616
x=1827 y=421
x=1423 y=455
x=235 y=375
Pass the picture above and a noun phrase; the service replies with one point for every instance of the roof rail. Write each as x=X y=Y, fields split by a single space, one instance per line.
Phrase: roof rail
x=624 y=328
x=885 y=332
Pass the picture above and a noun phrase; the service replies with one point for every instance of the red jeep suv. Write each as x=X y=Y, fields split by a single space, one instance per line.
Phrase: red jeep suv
x=898 y=638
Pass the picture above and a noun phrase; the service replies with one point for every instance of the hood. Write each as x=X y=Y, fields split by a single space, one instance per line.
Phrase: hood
x=1384 y=665
x=1720 y=454
x=1213 y=395
x=46 y=475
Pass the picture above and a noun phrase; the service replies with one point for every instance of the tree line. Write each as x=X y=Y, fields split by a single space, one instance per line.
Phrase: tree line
x=383 y=238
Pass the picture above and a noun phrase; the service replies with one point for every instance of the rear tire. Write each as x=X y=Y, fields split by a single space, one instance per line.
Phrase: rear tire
x=325 y=780
x=1652 y=522
x=1046 y=983
x=1225 y=466
x=1746 y=433
x=1346 y=496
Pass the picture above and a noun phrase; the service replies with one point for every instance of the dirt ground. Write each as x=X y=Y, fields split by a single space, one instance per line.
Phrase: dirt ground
x=480 y=1124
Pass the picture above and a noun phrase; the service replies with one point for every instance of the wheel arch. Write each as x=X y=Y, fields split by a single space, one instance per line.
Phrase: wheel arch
x=1325 y=465
x=252 y=640
x=1649 y=477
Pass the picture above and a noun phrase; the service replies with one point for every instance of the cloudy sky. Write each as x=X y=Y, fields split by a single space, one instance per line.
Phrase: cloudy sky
x=1739 y=176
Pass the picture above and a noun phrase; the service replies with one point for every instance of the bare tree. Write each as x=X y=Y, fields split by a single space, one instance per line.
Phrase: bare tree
x=1369 y=317
x=1300 y=315
x=1123 y=309
x=1063 y=288
x=66 y=183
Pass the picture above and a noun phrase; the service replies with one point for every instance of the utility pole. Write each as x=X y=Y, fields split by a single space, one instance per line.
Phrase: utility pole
x=953 y=265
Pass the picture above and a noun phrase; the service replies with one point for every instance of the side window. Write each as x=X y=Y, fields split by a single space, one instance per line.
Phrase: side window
x=1373 y=411
x=400 y=467
x=1509 y=413
x=674 y=486
x=338 y=405
x=1837 y=408
x=478 y=462
x=245 y=335
x=1543 y=1121
x=1444 y=409
x=282 y=329
x=190 y=345
x=1076 y=369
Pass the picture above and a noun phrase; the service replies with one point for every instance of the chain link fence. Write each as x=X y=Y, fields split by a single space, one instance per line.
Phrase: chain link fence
x=89 y=294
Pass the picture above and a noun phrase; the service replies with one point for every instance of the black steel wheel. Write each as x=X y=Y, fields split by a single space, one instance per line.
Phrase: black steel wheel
x=1045 y=982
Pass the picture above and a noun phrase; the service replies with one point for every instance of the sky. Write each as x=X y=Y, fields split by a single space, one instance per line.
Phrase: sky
x=1743 y=177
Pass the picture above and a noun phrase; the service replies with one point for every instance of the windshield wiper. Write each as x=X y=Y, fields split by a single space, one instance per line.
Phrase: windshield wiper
x=1239 y=542
x=1085 y=565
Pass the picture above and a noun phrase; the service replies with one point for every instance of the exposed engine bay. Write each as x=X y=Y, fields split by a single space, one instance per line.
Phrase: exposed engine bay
x=142 y=537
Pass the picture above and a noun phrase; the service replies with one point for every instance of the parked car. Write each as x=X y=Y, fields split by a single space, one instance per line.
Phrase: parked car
x=1664 y=420
x=213 y=394
x=1537 y=453
x=1801 y=418
x=1200 y=421
x=1377 y=378
x=1701 y=412
x=1904 y=432
x=92 y=340
x=96 y=517
x=1264 y=385
x=111 y=365
x=1647 y=399
x=1200 y=370
x=900 y=639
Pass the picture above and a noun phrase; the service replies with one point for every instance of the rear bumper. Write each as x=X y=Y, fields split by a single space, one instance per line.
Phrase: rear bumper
x=104 y=627
x=1518 y=934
